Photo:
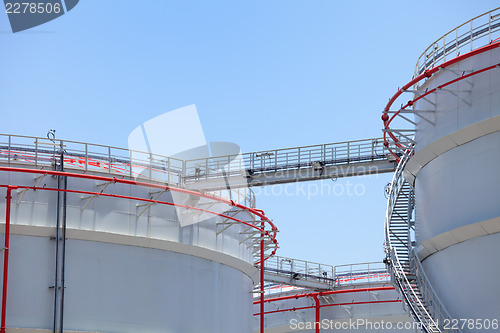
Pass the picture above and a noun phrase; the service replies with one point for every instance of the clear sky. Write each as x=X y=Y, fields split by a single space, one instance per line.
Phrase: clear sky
x=262 y=73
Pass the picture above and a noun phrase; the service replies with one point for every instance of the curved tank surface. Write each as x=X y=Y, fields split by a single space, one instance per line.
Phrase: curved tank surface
x=94 y=250
x=452 y=168
x=458 y=190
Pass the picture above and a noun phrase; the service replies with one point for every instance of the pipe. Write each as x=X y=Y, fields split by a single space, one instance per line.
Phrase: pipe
x=262 y=278
x=6 y=257
x=56 y=275
x=271 y=236
x=327 y=305
x=316 y=309
x=254 y=211
x=324 y=293
x=63 y=250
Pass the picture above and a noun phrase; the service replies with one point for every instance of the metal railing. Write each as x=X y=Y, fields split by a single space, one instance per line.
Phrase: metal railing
x=477 y=32
x=45 y=153
x=272 y=288
x=436 y=308
x=42 y=152
x=362 y=273
x=316 y=156
x=296 y=269
x=35 y=152
x=332 y=276
x=422 y=301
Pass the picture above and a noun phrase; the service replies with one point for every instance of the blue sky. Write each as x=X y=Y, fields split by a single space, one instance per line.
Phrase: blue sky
x=263 y=74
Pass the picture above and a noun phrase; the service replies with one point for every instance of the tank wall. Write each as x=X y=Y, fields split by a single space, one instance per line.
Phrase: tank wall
x=120 y=216
x=459 y=187
x=125 y=272
x=467 y=278
x=478 y=99
x=119 y=288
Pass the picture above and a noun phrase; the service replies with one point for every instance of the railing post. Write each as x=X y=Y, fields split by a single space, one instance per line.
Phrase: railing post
x=350 y=274
x=10 y=142
x=150 y=166
x=130 y=161
x=444 y=48
x=109 y=159
x=206 y=168
x=373 y=149
x=489 y=27
x=168 y=170
x=61 y=143
x=333 y=277
x=36 y=152
x=86 y=157
x=471 y=35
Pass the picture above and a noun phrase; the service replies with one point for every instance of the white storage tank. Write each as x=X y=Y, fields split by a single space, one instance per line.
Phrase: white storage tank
x=125 y=262
x=456 y=175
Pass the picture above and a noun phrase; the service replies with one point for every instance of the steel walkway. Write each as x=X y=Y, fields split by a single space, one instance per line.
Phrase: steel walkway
x=312 y=275
x=280 y=166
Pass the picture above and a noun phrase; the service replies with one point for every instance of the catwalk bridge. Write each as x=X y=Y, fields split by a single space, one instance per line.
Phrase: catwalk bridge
x=280 y=166
x=280 y=273
x=270 y=167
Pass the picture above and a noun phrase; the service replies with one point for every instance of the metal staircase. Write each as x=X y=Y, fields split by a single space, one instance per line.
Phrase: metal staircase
x=406 y=270
x=400 y=224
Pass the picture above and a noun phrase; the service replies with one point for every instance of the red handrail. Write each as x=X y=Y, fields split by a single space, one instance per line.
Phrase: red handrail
x=324 y=293
x=427 y=74
x=317 y=306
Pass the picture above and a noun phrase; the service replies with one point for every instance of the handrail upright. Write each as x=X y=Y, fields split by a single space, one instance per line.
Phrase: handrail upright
x=36 y=152
x=8 y=156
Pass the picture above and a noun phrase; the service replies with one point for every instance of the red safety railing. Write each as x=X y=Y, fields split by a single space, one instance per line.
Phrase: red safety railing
x=426 y=75
x=317 y=305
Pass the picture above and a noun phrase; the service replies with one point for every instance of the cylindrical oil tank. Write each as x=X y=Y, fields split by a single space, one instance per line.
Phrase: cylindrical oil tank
x=127 y=265
x=457 y=185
